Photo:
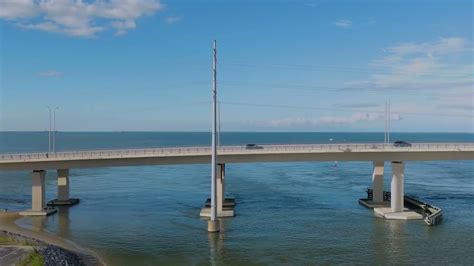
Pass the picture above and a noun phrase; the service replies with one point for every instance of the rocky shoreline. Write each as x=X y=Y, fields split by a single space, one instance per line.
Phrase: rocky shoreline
x=57 y=256
x=53 y=255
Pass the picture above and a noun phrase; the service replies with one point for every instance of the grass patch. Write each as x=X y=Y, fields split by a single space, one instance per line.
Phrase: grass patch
x=5 y=240
x=34 y=259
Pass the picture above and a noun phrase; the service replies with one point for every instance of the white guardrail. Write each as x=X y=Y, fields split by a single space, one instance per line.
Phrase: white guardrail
x=230 y=149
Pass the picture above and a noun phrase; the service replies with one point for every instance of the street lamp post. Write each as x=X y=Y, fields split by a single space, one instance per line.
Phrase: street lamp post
x=54 y=128
x=49 y=132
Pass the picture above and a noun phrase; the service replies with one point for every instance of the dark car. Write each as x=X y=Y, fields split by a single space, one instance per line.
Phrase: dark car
x=253 y=146
x=400 y=143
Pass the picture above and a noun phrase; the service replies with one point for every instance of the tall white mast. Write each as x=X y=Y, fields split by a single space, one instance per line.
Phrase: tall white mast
x=213 y=225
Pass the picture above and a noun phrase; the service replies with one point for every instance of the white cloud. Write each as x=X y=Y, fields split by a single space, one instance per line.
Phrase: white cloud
x=172 y=20
x=329 y=120
x=343 y=23
x=313 y=3
x=433 y=77
x=442 y=46
x=12 y=9
x=347 y=24
x=77 y=17
x=422 y=66
x=50 y=73
x=458 y=106
x=359 y=105
x=370 y=22
x=123 y=26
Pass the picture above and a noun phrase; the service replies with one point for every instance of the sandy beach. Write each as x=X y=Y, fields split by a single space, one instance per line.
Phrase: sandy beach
x=8 y=222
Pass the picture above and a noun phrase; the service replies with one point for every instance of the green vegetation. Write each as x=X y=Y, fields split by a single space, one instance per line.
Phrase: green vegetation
x=4 y=240
x=7 y=240
x=34 y=259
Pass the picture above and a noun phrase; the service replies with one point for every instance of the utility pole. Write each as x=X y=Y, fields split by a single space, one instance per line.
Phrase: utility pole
x=49 y=132
x=54 y=129
x=389 y=122
x=218 y=123
x=213 y=223
x=385 y=124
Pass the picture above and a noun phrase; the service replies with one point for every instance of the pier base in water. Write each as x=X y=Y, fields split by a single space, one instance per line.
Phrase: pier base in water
x=371 y=204
x=406 y=214
x=213 y=226
x=45 y=212
x=227 y=209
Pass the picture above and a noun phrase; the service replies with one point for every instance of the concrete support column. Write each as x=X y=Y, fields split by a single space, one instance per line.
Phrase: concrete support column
x=63 y=184
x=225 y=206
x=220 y=183
x=377 y=182
x=397 y=193
x=38 y=196
x=397 y=209
x=38 y=191
x=64 y=198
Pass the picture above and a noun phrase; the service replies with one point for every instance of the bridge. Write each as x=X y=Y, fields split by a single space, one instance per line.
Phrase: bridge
x=378 y=153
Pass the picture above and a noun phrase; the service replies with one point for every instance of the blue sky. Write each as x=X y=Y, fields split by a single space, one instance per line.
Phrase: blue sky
x=133 y=65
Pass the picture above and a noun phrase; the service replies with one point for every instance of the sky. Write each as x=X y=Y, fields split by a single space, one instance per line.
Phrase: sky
x=283 y=65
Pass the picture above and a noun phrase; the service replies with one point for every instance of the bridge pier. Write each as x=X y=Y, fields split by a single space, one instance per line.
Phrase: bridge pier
x=397 y=210
x=38 y=196
x=63 y=190
x=376 y=199
x=377 y=182
x=225 y=206
x=397 y=187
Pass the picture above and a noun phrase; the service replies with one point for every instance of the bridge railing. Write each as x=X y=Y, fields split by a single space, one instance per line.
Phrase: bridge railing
x=233 y=149
x=349 y=147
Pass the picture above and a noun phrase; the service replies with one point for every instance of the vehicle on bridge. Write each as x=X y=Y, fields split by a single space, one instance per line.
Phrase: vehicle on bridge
x=401 y=143
x=253 y=146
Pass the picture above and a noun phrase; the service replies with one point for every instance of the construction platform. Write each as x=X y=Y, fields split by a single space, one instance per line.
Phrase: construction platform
x=417 y=209
x=69 y=202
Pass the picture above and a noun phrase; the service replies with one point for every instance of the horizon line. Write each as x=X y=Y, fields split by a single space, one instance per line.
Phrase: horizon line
x=230 y=131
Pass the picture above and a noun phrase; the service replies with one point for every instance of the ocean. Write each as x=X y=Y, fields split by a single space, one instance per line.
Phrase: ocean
x=286 y=213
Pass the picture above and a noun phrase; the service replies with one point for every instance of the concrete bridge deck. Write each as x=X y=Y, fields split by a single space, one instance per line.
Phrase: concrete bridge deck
x=238 y=154
x=379 y=153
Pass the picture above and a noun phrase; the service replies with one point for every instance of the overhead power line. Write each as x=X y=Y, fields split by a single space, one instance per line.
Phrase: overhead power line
x=342 y=109
x=324 y=89
x=341 y=69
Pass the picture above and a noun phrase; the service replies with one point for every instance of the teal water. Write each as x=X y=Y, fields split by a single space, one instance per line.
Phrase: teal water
x=287 y=213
